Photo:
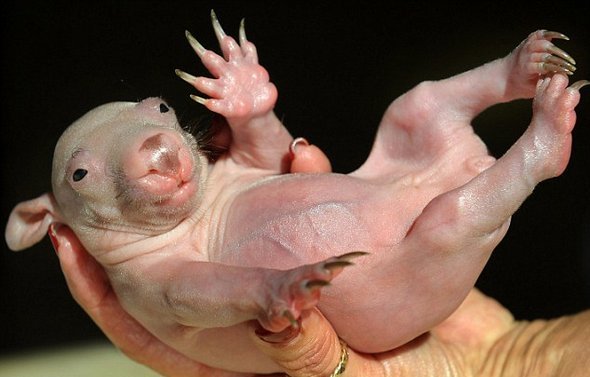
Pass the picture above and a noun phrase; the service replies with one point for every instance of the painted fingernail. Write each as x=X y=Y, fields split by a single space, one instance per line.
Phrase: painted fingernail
x=53 y=236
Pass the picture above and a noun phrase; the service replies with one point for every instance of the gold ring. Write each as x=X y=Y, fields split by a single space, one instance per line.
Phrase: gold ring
x=341 y=367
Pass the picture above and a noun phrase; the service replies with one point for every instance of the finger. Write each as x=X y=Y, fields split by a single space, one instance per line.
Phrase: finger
x=231 y=49
x=219 y=106
x=308 y=158
x=214 y=63
x=315 y=350
x=85 y=278
x=210 y=87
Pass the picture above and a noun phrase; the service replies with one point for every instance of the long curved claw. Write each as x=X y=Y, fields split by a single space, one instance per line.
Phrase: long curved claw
x=352 y=255
x=199 y=49
x=198 y=99
x=191 y=80
x=579 y=84
x=330 y=266
x=287 y=314
x=554 y=50
x=312 y=284
x=550 y=67
x=185 y=76
x=342 y=261
x=242 y=32
x=560 y=62
x=547 y=34
x=219 y=33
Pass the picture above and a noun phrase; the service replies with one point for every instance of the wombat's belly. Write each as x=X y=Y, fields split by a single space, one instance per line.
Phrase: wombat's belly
x=303 y=218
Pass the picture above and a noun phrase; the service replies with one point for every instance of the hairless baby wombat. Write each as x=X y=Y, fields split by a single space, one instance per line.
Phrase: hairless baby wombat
x=197 y=249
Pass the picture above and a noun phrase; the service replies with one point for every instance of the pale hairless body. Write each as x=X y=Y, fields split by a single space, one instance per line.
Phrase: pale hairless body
x=195 y=250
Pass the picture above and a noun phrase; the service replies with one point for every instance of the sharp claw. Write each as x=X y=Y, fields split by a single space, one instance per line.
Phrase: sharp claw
x=562 y=54
x=558 y=61
x=343 y=260
x=556 y=68
x=185 y=76
x=311 y=284
x=554 y=34
x=579 y=84
x=287 y=314
x=352 y=255
x=337 y=264
x=198 y=99
x=217 y=26
x=199 y=49
x=242 y=32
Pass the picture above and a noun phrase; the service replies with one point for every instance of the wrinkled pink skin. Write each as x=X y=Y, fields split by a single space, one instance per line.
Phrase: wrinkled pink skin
x=196 y=251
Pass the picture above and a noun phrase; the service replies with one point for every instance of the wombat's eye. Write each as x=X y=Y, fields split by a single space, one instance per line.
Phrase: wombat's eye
x=79 y=174
x=163 y=108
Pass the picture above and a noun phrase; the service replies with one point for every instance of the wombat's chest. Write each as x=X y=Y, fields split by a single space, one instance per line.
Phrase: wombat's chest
x=299 y=219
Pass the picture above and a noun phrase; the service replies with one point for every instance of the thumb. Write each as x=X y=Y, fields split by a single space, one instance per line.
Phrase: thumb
x=308 y=158
x=311 y=350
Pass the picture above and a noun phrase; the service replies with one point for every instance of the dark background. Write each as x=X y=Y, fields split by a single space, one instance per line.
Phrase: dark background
x=336 y=66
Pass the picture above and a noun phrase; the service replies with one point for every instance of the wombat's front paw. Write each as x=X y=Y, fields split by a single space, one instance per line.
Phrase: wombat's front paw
x=293 y=291
x=535 y=56
x=241 y=87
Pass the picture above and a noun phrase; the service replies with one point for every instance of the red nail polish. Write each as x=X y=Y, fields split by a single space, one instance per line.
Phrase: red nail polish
x=53 y=236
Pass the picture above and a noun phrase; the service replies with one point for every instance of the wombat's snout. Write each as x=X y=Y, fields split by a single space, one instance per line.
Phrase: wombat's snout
x=159 y=163
x=161 y=155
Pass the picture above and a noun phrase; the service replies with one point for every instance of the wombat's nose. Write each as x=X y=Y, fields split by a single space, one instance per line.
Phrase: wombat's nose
x=157 y=162
x=161 y=155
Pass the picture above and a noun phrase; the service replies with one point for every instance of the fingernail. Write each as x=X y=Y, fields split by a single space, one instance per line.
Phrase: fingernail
x=53 y=236
x=296 y=142
x=284 y=336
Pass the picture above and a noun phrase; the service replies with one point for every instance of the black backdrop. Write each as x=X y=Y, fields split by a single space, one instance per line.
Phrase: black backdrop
x=336 y=66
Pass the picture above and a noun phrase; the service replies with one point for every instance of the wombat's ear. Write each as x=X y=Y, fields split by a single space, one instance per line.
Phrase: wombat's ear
x=29 y=221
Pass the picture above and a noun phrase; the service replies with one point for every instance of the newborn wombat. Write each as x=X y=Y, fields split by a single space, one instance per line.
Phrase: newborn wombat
x=196 y=249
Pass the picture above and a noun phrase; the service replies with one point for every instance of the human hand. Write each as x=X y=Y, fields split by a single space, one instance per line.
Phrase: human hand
x=480 y=339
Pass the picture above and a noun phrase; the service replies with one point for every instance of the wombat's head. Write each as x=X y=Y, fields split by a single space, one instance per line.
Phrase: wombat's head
x=124 y=167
